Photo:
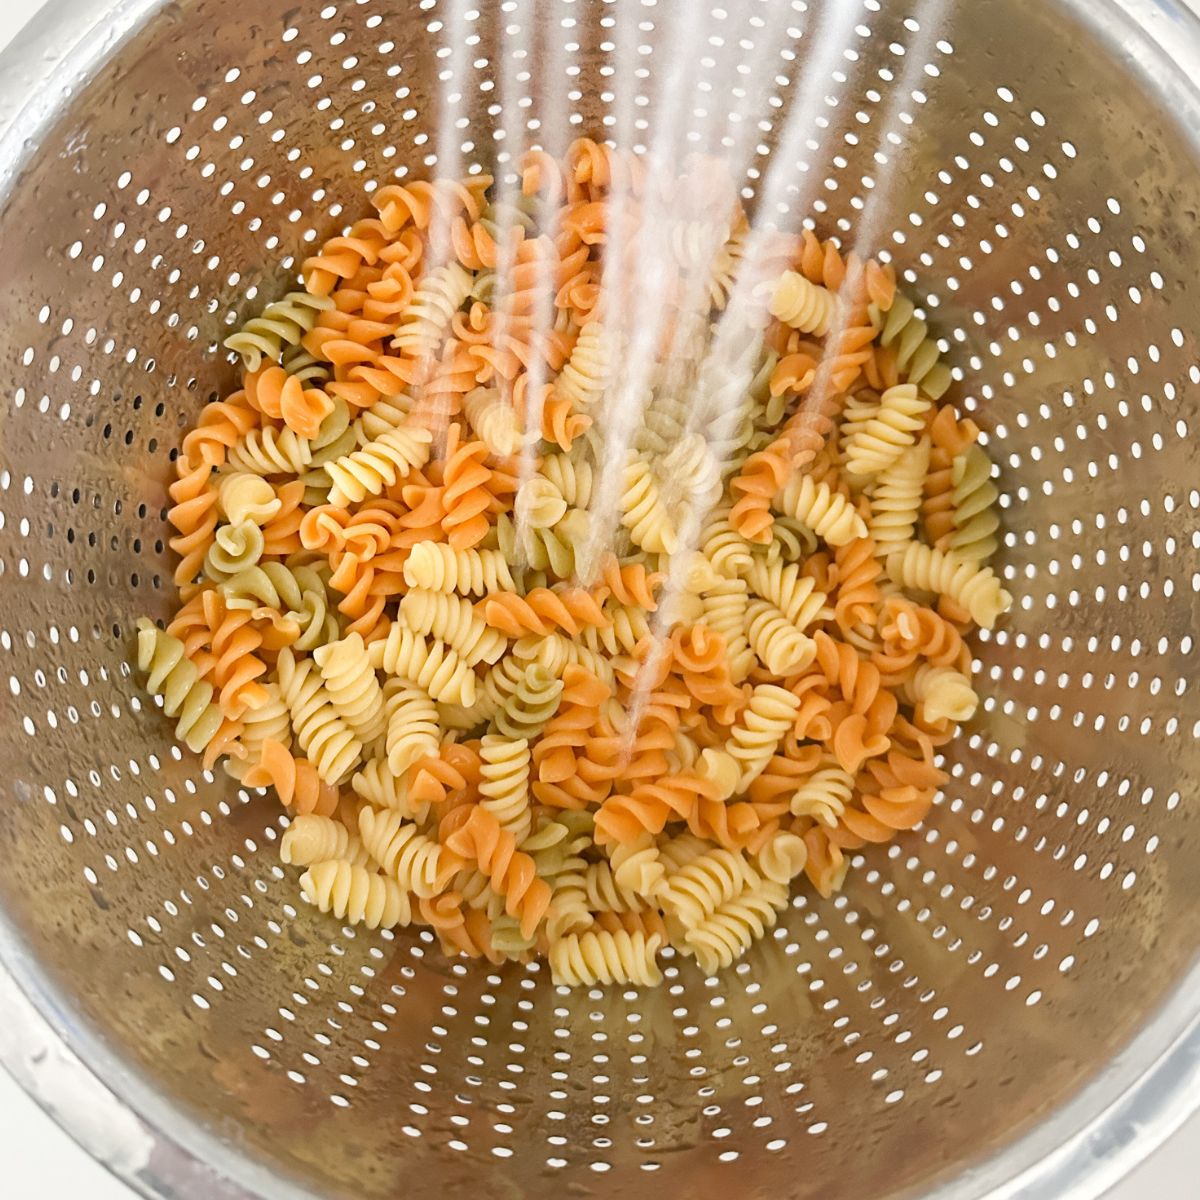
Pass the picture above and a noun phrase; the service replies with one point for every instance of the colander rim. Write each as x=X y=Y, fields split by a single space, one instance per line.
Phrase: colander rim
x=1140 y=1097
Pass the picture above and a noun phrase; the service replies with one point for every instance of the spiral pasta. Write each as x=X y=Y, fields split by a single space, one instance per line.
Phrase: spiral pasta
x=973 y=588
x=245 y=497
x=351 y=686
x=803 y=305
x=643 y=512
x=794 y=594
x=879 y=442
x=453 y=620
x=823 y=796
x=504 y=782
x=917 y=357
x=735 y=925
x=586 y=959
x=896 y=500
x=379 y=464
x=974 y=495
x=570 y=610
x=281 y=324
x=779 y=645
x=427 y=662
x=420 y=865
x=692 y=893
x=428 y=315
x=352 y=893
x=759 y=730
x=413 y=731
x=440 y=568
x=175 y=678
x=943 y=693
x=324 y=736
x=269 y=451
x=531 y=704
x=312 y=839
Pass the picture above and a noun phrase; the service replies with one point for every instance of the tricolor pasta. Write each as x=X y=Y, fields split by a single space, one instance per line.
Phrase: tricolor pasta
x=568 y=625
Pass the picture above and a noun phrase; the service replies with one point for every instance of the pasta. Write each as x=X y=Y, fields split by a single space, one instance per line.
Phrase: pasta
x=311 y=839
x=564 y=632
x=879 y=442
x=974 y=498
x=586 y=959
x=281 y=324
x=355 y=894
x=378 y=464
x=351 y=686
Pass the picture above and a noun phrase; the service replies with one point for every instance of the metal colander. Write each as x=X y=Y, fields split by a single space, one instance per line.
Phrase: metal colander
x=1004 y=1002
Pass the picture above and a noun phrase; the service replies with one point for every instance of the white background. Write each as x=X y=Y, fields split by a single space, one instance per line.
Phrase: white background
x=40 y=1160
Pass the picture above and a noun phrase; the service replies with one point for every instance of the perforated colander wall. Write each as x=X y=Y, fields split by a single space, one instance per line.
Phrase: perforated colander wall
x=973 y=973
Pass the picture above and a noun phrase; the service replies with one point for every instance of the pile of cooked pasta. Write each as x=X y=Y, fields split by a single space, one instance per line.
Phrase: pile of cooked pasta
x=557 y=636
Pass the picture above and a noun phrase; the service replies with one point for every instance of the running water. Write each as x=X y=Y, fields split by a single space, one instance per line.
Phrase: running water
x=675 y=375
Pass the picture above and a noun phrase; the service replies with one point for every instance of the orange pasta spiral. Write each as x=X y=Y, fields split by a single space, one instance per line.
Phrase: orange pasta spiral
x=513 y=874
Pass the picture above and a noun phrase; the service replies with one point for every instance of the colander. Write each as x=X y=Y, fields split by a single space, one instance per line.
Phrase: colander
x=1003 y=1003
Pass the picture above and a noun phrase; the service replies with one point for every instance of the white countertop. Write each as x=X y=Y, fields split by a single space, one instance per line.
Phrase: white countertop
x=40 y=1160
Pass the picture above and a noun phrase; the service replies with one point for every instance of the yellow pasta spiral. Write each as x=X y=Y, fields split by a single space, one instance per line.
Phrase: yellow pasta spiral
x=440 y=568
x=282 y=323
x=356 y=895
x=324 y=736
x=803 y=305
x=504 y=782
x=539 y=504
x=270 y=451
x=494 y=420
x=413 y=731
x=974 y=497
x=896 y=499
x=177 y=681
x=404 y=853
x=945 y=694
x=588 y=371
x=428 y=316
x=828 y=514
x=794 y=594
x=691 y=894
x=879 y=442
x=235 y=548
x=247 y=497
x=312 y=839
x=636 y=865
x=271 y=720
x=586 y=959
x=643 y=512
x=782 y=857
x=725 y=548
x=378 y=464
x=823 y=796
x=735 y=925
x=532 y=703
x=454 y=620
x=725 y=613
x=779 y=645
x=971 y=587
x=427 y=662
x=753 y=739
x=351 y=685
x=376 y=784
x=917 y=356
x=572 y=476
x=627 y=626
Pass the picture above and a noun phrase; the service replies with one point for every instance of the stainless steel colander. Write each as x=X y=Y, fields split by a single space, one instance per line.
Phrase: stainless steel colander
x=1001 y=1004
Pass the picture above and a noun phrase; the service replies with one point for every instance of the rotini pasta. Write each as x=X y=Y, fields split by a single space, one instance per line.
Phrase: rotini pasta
x=281 y=324
x=565 y=620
